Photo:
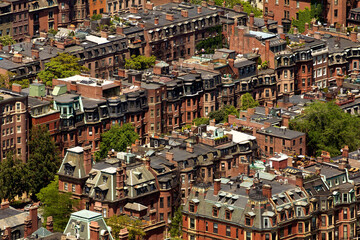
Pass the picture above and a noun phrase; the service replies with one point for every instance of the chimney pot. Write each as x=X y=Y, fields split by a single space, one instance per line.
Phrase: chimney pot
x=217 y=186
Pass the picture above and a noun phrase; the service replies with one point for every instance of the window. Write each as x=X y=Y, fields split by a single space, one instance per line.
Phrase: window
x=215 y=211
x=228 y=232
x=345 y=213
x=297 y=3
x=191 y=207
x=248 y=235
x=51 y=14
x=19 y=151
x=18 y=129
x=161 y=202
x=19 y=140
x=65 y=186
x=215 y=228
x=206 y=226
x=228 y=215
x=192 y=223
x=335 y=13
x=300 y=227
x=345 y=232
x=247 y=221
x=18 y=118
x=73 y=187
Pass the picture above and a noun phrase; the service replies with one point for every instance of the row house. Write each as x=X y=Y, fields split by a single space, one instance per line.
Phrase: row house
x=210 y=152
x=122 y=184
x=314 y=206
x=14 y=123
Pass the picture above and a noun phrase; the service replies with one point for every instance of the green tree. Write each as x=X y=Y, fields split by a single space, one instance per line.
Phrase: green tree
x=43 y=160
x=13 y=180
x=247 y=101
x=24 y=83
x=56 y=204
x=118 y=222
x=62 y=66
x=307 y=15
x=5 y=79
x=328 y=128
x=222 y=114
x=117 y=138
x=7 y=40
x=139 y=62
x=53 y=31
x=96 y=17
x=200 y=121
x=176 y=224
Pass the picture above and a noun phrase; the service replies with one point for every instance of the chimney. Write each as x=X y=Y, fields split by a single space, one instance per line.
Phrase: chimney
x=104 y=34
x=5 y=205
x=169 y=17
x=1 y=46
x=266 y=22
x=212 y=122
x=280 y=29
x=252 y=15
x=34 y=219
x=315 y=28
x=170 y=156
x=217 y=186
x=325 y=156
x=9 y=47
x=247 y=191
x=189 y=148
x=345 y=151
x=16 y=88
x=299 y=180
x=306 y=31
x=49 y=224
x=211 y=3
x=267 y=110
x=267 y=190
x=87 y=160
x=296 y=30
x=199 y=9
x=317 y=171
x=353 y=36
x=285 y=120
x=149 y=5
x=119 y=30
x=7 y=234
x=267 y=49
x=156 y=21
x=94 y=231
x=203 y=3
x=184 y=13
x=35 y=53
x=121 y=72
x=134 y=9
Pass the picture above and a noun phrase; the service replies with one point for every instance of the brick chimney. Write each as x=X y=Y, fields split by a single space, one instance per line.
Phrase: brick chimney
x=199 y=9
x=306 y=31
x=104 y=34
x=5 y=205
x=280 y=29
x=7 y=234
x=134 y=9
x=87 y=160
x=169 y=17
x=342 y=165
x=49 y=224
x=251 y=20
x=184 y=13
x=156 y=21
x=94 y=231
x=170 y=156
x=16 y=88
x=35 y=54
x=345 y=151
x=217 y=186
x=1 y=46
x=212 y=122
x=267 y=49
x=267 y=190
x=149 y=5
x=189 y=148
x=353 y=36
x=299 y=180
x=267 y=110
x=119 y=30
x=317 y=170
x=285 y=120
x=325 y=156
x=34 y=218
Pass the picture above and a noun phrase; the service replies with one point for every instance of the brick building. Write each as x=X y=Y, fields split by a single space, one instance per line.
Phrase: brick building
x=121 y=184
x=275 y=140
x=15 y=122
x=320 y=206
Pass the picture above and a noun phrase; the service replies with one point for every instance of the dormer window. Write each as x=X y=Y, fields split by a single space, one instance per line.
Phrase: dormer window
x=192 y=207
x=69 y=168
x=105 y=179
x=228 y=215
x=248 y=221
x=87 y=190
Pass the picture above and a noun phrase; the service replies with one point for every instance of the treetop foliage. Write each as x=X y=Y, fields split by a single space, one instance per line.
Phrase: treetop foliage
x=118 y=222
x=328 y=128
x=117 y=138
x=222 y=114
x=62 y=66
x=140 y=62
x=7 y=40
x=247 y=101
